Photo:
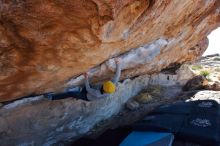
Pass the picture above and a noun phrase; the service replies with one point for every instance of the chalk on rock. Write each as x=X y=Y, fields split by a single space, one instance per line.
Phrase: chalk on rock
x=132 y=105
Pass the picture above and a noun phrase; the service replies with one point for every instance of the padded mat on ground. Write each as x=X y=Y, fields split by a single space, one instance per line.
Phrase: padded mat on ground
x=164 y=122
x=200 y=106
x=196 y=121
x=201 y=129
x=137 y=138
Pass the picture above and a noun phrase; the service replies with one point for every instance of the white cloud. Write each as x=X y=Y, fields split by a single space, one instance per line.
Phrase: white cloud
x=214 y=43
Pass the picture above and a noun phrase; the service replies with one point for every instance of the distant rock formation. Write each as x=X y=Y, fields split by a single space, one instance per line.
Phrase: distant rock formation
x=196 y=83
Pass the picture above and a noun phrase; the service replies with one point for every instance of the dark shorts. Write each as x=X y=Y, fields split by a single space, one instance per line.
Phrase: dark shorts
x=75 y=94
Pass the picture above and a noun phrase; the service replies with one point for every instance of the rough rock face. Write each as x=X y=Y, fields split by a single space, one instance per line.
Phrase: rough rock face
x=43 y=44
x=38 y=121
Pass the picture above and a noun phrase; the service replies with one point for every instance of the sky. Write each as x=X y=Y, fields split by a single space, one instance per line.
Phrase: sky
x=214 y=43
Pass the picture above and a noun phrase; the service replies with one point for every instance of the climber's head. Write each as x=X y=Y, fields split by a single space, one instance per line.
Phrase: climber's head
x=109 y=87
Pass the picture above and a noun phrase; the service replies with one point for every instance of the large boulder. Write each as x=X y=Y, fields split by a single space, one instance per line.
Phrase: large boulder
x=39 y=121
x=43 y=44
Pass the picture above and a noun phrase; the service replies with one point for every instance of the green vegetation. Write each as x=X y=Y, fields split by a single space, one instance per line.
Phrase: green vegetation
x=155 y=90
x=205 y=73
x=216 y=59
x=196 y=67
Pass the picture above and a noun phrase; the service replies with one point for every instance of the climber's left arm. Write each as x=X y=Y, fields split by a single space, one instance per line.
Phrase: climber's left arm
x=118 y=71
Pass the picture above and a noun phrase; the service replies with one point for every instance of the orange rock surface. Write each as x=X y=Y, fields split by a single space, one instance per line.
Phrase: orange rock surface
x=44 y=43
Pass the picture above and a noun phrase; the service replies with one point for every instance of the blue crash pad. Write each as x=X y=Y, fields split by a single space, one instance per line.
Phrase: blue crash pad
x=138 y=138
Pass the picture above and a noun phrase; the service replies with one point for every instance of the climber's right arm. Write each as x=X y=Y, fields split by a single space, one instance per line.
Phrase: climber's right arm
x=93 y=94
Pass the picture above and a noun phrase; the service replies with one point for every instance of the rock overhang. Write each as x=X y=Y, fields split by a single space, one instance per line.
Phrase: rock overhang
x=44 y=44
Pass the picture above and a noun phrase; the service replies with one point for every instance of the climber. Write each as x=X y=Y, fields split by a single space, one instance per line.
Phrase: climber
x=108 y=87
x=88 y=93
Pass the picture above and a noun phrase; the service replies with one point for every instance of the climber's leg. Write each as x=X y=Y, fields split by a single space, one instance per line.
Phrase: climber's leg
x=57 y=96
x=81 y=95
x=77 y=92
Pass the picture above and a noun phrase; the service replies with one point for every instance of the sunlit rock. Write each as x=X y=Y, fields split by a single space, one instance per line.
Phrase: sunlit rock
x=44 y=44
